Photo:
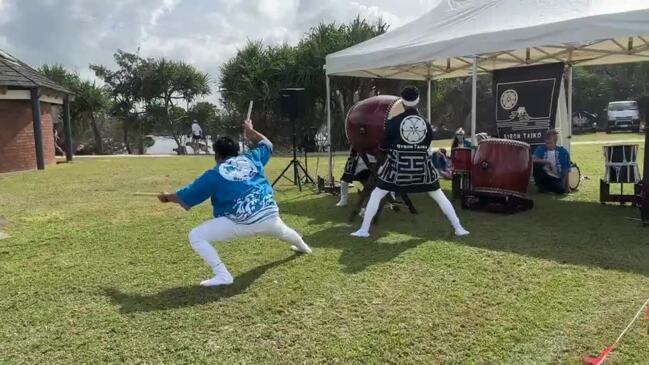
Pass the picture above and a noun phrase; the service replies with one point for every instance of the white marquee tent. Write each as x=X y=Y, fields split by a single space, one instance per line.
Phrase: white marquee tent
x=459 y=38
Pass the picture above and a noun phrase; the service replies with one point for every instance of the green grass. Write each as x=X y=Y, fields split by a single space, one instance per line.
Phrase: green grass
x=92 y=274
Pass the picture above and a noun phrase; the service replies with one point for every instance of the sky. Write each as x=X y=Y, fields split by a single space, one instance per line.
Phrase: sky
x=205 y=33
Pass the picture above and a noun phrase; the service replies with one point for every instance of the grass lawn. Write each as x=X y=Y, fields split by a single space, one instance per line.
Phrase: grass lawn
x=92 y=274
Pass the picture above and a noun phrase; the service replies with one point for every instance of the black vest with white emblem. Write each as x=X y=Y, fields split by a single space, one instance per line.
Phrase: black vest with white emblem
x=408 y=167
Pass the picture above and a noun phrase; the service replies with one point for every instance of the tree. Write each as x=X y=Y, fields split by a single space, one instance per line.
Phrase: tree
x=164 y=84
x=125 y=87
x=258 y=73
x=93 y=103
x=88 y=111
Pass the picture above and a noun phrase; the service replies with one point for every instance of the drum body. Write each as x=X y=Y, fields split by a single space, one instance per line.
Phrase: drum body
x=461 y=157
x=501 y=167
x=365 y=123
x=621 y=164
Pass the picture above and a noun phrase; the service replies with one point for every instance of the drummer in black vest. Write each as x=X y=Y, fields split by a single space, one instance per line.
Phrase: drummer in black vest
x=355 y=170
x=408 y=167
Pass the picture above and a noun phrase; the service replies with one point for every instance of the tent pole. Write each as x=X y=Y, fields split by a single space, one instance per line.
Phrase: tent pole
x=331 y=167
x=569 y=87
x=428 y=106
x=474 y=98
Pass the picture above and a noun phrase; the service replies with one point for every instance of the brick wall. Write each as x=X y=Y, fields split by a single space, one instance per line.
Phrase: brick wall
x=17 y=150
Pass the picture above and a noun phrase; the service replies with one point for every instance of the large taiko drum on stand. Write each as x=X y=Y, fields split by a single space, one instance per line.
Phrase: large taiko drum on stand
x=365 y=123
x=500 y=173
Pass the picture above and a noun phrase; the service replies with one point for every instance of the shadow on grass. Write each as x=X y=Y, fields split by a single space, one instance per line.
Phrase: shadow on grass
x=359 y=254
x=583 y=233
x=189 y=295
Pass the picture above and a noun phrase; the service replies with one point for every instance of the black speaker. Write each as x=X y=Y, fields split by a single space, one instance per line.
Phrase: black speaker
x=291 y=102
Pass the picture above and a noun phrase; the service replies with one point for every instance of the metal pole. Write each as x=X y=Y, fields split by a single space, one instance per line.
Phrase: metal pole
x=569 y=87
x=67 y=129
x=38 y=129
x=474 y=98
x=331 y=156
x=428 y=103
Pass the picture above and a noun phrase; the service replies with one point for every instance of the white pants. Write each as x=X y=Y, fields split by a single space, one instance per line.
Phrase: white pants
x=223 y=229
x=438 y=196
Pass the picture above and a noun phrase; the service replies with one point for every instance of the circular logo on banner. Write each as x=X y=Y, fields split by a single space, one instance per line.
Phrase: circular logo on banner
x=238 y=169
x=509 y=99
x=413 y=129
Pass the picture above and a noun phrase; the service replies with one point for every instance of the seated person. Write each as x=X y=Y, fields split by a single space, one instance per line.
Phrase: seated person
x=441 y=162
x=460 y=140
x=551 y=165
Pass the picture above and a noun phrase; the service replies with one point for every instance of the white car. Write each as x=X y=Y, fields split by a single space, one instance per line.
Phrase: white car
x=623 y=115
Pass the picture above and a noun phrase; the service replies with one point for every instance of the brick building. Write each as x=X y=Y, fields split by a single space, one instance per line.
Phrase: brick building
x=27 y=100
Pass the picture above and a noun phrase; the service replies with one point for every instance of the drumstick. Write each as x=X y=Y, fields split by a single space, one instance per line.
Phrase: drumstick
x=145 y=194
x=249 y=110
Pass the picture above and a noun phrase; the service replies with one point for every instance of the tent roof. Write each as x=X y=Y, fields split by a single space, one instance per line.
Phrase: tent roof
x=503 y=34
x=17 y=74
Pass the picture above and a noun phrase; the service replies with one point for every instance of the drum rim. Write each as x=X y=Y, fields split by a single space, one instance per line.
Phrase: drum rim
x=578 y=177
x=505 y=141
x=504 y=192
x=387 y=111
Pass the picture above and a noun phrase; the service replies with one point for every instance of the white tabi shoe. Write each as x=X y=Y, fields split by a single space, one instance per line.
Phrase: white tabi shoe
x=301 y=249
x=218 y=280
x=460 y=232
x=361 y=233
x=342 y=203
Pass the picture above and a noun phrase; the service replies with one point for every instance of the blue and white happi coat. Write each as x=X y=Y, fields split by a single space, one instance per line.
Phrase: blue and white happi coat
x=237 y=188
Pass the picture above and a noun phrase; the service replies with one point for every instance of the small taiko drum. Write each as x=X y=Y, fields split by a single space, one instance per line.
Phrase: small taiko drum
x=501 y=167
x=461 y=158
x=365 y=123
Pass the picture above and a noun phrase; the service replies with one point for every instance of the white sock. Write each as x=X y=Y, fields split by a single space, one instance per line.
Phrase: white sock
x=344 y=194
x=370 y=211
x=221 y=274
x=448 y=210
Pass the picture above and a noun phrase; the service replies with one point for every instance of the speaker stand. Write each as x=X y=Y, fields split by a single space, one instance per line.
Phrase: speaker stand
x=297 y=166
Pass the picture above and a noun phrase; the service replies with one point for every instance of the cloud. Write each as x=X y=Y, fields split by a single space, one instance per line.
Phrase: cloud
x=206 y=33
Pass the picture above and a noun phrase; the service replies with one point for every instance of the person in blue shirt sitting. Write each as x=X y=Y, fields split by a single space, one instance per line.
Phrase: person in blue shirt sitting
x=242 y=202
x=551 y=165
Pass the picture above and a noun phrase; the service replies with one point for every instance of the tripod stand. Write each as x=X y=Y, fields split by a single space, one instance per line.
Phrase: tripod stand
x=295 y=163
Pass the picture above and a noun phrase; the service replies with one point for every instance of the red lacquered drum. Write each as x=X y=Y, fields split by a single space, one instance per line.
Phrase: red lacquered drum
x=365 y=123
x=501 y=167
x=461 y=157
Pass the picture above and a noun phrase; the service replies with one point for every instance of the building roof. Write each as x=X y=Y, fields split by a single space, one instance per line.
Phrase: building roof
x=15 y=73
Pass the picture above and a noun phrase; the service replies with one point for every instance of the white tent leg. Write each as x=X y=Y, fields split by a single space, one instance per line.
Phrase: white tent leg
x=330 y=151
x=474 y=98
x=428 y=105
x=569 y=87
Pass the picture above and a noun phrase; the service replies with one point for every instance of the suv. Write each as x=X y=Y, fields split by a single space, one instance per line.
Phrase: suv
x=623 y=115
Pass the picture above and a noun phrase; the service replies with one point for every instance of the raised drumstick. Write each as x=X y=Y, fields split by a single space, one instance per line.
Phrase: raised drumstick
x=249 y=110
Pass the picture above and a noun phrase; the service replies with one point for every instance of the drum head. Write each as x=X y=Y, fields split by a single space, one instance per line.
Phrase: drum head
x=574 y=178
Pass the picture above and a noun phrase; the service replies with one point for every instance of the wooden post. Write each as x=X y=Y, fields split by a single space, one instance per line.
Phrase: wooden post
x=644 y=196
x=67 y=129
x=38 y=129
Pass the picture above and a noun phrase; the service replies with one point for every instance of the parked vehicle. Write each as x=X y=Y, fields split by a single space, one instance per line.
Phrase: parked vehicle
x=584 y=121
x=623 y=115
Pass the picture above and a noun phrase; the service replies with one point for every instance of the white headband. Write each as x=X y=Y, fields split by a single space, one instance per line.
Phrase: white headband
x=410 y=103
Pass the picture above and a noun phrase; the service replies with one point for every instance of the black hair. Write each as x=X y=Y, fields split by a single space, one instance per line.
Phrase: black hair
x=225 y=147
x=410 y=93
